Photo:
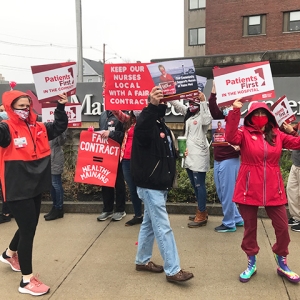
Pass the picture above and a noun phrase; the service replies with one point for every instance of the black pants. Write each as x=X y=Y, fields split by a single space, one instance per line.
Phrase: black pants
x=26 y=213
x=5 y=209
x=108 y=194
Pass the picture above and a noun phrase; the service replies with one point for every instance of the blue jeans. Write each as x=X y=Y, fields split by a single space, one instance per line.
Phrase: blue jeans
x=156 y=225
x=57 y=192
x=225 y=173
x=198 y=182
x=136 y=201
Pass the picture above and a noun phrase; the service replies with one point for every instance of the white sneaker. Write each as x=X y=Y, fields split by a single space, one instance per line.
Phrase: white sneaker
x=117 y=216
x=105 y=215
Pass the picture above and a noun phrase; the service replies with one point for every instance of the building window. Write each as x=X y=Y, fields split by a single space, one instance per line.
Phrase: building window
x=254 y=25
x=197 y=4
x=196 y=36
x=291 y=21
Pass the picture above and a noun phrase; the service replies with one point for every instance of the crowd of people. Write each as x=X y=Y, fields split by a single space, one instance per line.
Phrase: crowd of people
x=246 y=172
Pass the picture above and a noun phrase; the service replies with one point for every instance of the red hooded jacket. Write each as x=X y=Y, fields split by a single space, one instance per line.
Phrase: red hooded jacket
x=25 y=171
x=259 y=181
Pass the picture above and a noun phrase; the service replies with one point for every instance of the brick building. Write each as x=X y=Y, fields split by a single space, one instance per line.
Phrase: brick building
x=217 y=27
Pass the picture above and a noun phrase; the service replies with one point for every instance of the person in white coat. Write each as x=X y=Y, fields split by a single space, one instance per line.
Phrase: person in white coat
x=197 y=119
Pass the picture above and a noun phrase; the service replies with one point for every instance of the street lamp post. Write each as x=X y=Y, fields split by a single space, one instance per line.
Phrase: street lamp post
x=79 y=40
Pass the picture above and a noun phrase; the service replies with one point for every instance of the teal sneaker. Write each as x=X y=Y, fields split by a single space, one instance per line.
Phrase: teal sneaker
x=239 y=224
x=284 y=271
x=223 y=228
x=250 y=271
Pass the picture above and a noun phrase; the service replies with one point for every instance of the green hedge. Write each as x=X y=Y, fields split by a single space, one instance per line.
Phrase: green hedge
x=183 y=193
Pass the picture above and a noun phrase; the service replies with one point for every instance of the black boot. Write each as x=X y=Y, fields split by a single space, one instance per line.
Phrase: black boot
x=49 y=213
x=56 y=214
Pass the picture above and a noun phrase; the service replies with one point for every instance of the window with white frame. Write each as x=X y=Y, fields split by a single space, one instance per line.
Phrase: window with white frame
x=254 y=25
x=197 y=4
x=294 y=21
x=196 y=36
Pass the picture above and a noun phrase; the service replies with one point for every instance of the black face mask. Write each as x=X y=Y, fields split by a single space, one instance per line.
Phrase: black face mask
x=161 y=110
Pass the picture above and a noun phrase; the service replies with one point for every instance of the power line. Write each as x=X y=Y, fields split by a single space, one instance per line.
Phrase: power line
x=15 y=68
x=31 y=57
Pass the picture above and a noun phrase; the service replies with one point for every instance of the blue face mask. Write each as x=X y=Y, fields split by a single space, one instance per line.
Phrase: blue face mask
x=3 y=115
x=226 y=110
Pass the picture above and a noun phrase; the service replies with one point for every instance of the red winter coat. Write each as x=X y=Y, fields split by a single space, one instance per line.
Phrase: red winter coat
x=259 y=180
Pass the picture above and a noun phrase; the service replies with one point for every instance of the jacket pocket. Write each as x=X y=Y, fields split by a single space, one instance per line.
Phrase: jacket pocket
x=155 y=167
x=42 y=143
x=247 y=185
x=279 y=184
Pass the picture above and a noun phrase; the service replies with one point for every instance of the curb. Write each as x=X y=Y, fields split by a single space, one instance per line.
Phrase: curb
x=95 y=207
x=90 y=207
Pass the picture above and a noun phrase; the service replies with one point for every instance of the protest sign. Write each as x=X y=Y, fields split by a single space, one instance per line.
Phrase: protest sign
x=176 y=78
x=127 y=86
x=54 y=79
x=97 y=160
x=201 y=82
x=73 y=111
x=282 y=111
x=251 y=82
x=218 y=132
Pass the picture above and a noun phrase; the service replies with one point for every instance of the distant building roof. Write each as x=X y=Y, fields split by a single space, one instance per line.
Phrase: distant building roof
x=97 y=66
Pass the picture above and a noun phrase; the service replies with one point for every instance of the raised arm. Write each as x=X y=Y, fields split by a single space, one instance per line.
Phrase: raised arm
x=122 y=117
x=234 y=135
x=179 y=107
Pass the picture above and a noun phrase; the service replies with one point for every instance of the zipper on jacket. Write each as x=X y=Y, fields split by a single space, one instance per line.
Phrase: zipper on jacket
x=265 y=171
x=247 y=185
x=154 y=169
x=34 y=145
x=279 y=189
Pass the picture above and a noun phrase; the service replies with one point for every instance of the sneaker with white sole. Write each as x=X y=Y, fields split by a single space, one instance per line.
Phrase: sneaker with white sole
x=293 y=222
x=35 y=287
x=105 y=215
x=118 y=216
x=12 y=261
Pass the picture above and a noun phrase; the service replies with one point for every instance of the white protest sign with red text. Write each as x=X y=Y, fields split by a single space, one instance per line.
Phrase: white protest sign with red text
x=97 y=161
x=127 y=86
x=251 y=82
x=73 y=111
x=54 y=79
x=282 y=111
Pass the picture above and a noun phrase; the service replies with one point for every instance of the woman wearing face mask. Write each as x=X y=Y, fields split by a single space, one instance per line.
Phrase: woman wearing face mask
x=259 y=181
x=25 y=151
x=197 y=119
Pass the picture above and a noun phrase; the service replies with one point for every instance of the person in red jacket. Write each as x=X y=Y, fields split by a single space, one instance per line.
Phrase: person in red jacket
x=25 y=151
x=259 y=181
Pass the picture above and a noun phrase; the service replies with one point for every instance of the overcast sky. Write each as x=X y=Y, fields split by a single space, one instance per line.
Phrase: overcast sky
x=132 y=29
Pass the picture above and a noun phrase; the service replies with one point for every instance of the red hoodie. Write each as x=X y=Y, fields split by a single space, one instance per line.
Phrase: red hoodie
x=25 y=169
x=259 y=180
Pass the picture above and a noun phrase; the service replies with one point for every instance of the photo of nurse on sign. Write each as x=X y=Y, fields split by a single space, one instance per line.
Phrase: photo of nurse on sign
x=176 y=78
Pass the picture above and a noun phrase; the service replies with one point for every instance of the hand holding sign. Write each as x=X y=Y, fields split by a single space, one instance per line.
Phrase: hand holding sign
x=237 y=103
x=63 y=98
x=287 y=127
x=156 y=95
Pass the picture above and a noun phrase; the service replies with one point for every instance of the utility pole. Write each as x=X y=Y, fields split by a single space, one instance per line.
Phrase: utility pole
x=103 y=61
x=79 y=40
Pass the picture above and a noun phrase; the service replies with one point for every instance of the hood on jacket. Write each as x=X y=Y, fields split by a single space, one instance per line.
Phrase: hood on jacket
x=7 y=100
x=256 y=105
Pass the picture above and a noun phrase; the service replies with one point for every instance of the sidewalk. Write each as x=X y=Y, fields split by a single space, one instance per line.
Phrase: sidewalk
x=80 y=258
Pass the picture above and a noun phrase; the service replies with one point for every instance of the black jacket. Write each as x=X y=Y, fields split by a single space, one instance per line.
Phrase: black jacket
x=108 y=121
x=152 y=161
